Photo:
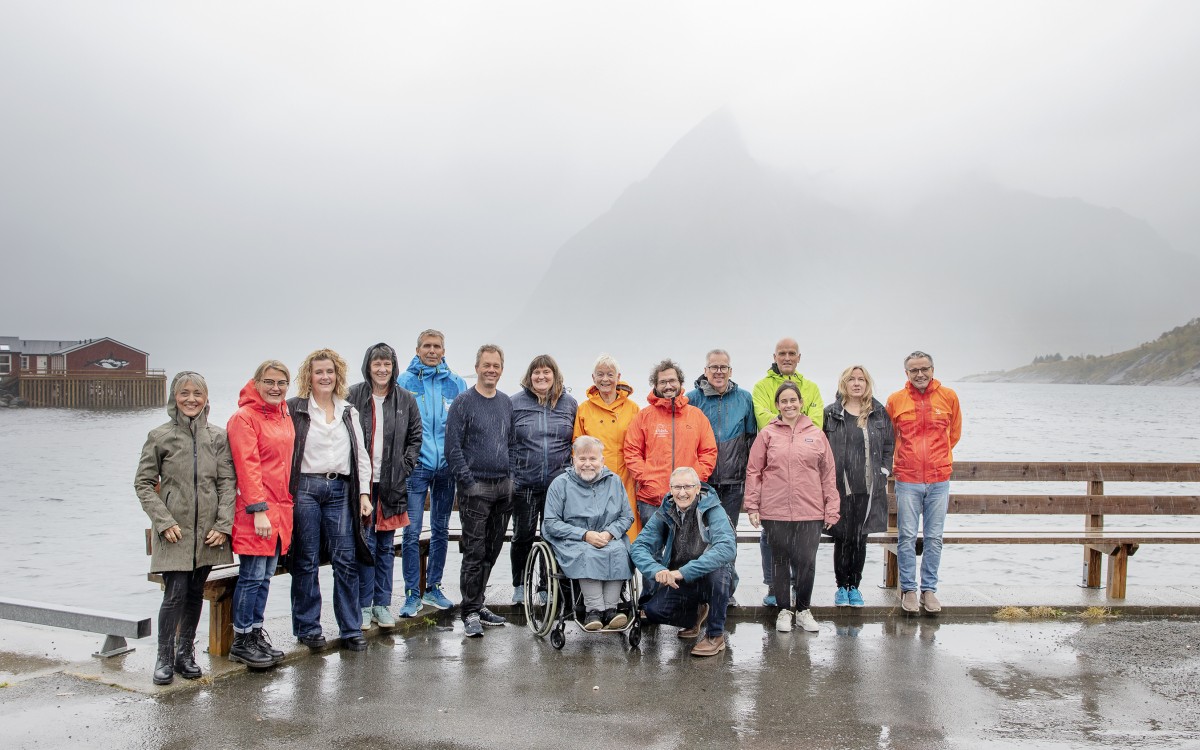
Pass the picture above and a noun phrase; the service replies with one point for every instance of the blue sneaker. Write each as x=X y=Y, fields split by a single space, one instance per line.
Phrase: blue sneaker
x=856 y=599
x=842 y=597
x=769 y=601
x=488 y=617
x=518 y=595
x=412 y=604
x=436 y=598
x=472 y=627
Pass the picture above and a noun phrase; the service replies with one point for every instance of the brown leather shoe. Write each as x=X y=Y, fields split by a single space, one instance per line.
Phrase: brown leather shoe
x=908 y=602
x=709 y=645
x=700 y=620
x=930 y=603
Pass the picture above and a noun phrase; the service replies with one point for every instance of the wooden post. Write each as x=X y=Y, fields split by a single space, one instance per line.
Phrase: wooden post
x=1118 y=569
x=220 y=624
x=1092 y=558
x=891 y=566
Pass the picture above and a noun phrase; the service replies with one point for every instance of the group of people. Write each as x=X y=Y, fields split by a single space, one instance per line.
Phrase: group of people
x=334 y=472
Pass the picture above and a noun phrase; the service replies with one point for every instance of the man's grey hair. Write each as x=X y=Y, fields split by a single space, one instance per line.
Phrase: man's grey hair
x=686 y=471
x=606 y=360
x=918 y=354
x=717 y=352
x=431 y=333
x=587 y=442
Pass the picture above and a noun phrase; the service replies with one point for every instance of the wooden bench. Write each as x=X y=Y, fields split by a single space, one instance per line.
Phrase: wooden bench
x=1096 y=540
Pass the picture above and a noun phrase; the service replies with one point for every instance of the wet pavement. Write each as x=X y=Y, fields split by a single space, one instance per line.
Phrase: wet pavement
x=883 y=683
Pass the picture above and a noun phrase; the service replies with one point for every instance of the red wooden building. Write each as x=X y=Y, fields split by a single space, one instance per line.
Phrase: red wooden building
x=92 y=373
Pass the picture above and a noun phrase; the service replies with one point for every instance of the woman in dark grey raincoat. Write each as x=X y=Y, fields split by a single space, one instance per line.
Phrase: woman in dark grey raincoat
x=587 y=515
x=860 y=433
x=186 y=484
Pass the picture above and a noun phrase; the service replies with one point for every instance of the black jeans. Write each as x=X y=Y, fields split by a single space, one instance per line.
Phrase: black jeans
x=849 y=541
x=183 y=598
x=528 y=504
x=793 y=546
x=484 y=519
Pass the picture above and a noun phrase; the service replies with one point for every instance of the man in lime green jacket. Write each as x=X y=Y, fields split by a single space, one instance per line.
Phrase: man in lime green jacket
x=787 y=357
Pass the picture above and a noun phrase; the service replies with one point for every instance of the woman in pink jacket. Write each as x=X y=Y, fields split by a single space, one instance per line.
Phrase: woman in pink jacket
x=791 y=493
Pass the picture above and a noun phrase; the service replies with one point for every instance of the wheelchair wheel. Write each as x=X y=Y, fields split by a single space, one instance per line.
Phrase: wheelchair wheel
x=635 y=633
x=541 y=572
x=557 y=638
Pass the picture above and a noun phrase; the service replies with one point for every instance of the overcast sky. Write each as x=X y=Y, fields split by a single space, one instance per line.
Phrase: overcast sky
x=178 y=172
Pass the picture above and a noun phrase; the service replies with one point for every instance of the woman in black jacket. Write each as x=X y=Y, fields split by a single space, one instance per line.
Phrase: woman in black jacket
x=391 y=428
x=860 y=433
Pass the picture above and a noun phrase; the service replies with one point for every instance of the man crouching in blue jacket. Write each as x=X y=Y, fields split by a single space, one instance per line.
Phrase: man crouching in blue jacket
x=688 y=548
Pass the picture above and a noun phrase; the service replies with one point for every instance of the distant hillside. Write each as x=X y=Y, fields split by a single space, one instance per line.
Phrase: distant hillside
x=1174 y=359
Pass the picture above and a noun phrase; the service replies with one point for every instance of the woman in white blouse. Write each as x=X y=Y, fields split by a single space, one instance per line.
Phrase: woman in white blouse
x=331 y=485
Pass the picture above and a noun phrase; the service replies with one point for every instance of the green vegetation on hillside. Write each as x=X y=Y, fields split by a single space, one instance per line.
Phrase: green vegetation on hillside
x=1172 y=359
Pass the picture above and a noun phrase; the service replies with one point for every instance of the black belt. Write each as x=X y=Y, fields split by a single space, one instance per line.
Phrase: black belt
x=328 y=475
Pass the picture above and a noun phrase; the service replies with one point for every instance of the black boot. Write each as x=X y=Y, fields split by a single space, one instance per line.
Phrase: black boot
x=246 y=651
x=185 y=657
x=164 y=672
x=263 y=641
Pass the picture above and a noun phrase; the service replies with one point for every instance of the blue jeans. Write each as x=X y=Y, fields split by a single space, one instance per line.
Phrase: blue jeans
x=679 y=607
x=250 y=593
x=375 y=581
x=322 y=517
x=440 y=487
x=914 y=501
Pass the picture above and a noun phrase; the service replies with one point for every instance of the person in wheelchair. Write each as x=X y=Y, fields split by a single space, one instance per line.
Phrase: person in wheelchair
x=586 y=517
x=688 y=548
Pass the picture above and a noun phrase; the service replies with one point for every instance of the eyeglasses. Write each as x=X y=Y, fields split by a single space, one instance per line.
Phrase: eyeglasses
x=275 y=384
x=682 y=487
x=718 y=368
x=920 y=370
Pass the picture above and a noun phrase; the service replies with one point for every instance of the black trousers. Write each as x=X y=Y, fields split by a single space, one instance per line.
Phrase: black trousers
x=527 y=507
x=484 y=519
x=183 y=598
x=793 y=547
x=849 y=541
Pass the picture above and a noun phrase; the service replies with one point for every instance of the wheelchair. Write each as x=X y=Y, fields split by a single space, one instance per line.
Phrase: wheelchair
x=564 y=601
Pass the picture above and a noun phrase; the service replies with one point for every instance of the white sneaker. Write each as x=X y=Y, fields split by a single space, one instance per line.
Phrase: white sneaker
x=783 y=623
x=806 y=622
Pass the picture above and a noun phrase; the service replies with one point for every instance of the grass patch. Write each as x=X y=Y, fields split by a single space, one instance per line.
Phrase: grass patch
x=1046 y=613
x=1097 y=613
x=1012 y=613
x=429 y=621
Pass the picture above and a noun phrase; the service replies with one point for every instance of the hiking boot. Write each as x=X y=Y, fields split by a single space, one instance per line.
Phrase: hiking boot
x=412 y=604
x=701 y=618
x=908 y=602
x=367 y=616
x=472 y=626
x=842 y=597
x=245 y=650
x=314 y=642
x=805 y=621
x=592 y=621
x=354 y=643
x=185 y=659
x=783 y=621
x=263 y=641
x=436 y=598
x=383 y=616
x=855 y=597
x=709 y=645
x=614 y=620
x=488 y=617
x=930 y=603
x=164 y=666
x=518 y=595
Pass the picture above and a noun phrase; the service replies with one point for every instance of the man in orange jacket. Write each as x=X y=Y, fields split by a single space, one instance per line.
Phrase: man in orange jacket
x=667 y=434
x=928 y=424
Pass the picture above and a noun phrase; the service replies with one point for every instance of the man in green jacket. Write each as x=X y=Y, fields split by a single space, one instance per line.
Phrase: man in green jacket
x=787 y=358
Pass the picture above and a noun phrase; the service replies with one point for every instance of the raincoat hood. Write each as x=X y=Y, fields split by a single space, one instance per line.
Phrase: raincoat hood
x=366 y=366
x=707 y=389
x=624 y=391
x=680 y=401
x=249 y=396
x=576 y=479
x=422 y=370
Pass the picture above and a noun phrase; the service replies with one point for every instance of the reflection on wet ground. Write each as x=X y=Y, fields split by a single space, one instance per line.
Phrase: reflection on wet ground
x=890 y=683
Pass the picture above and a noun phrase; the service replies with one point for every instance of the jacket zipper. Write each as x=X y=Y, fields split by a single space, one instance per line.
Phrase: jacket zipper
x=195 y=500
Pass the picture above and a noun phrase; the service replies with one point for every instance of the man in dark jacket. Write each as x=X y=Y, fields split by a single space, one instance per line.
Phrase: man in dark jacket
x=688 y=549
x=391 y=427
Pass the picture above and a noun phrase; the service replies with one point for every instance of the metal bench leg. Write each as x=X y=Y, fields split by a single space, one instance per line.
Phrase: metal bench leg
x=114 y=645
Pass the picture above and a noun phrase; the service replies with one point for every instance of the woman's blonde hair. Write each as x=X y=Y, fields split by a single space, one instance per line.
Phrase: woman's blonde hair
x=304 y=375
x=556 y=388
x=271 y=364
x=868 y=396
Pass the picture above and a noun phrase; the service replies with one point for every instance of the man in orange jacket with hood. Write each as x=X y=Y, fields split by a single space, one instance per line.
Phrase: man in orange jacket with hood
x=667 y=434
x=928 y=424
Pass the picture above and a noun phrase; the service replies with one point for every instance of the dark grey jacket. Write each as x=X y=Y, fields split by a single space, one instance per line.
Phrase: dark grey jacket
x=190 y=462
x=881 y=444
x=401 y=435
